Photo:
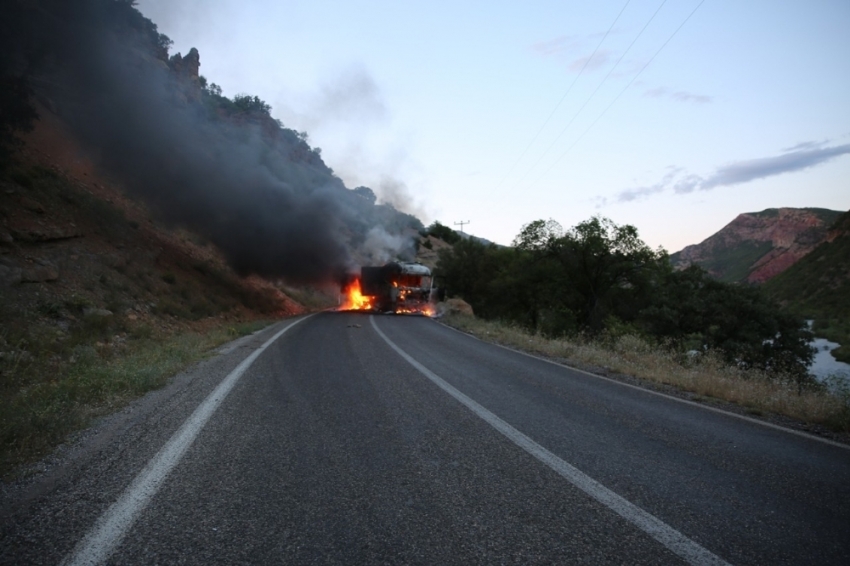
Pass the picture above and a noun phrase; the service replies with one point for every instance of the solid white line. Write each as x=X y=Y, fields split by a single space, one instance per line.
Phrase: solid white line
x=675 y=541
x=800 y=433
x=111 y=527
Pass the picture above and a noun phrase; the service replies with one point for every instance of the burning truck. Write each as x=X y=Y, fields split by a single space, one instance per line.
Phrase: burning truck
x=397 y=287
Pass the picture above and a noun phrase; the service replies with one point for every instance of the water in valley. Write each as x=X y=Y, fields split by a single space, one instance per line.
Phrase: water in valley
x=824 y=364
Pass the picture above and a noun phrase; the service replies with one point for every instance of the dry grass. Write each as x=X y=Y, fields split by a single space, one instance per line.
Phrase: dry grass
x=129 y=305
x=705 y=375
x=44 y=400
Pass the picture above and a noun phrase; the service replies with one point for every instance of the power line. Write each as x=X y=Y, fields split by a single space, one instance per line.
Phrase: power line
x=619 y=95
x=593 y=94
x=546 y=122
x=462 y=223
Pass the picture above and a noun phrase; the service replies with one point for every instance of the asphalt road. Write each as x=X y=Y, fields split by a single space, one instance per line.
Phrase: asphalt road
x=354 y=439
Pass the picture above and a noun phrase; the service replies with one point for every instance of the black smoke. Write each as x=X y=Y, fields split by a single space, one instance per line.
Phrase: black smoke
x=252 y=187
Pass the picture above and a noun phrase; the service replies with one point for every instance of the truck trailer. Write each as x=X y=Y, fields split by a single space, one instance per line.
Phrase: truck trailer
x=397 y=287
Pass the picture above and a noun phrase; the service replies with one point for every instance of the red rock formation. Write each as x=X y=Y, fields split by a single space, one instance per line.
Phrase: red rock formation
x=187 y=70
x=775 y=262
x=758 y=246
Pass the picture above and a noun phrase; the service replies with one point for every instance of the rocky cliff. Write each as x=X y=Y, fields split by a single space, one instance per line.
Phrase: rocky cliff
x=757 y=246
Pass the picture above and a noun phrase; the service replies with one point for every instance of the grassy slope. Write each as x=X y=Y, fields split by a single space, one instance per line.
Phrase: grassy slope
x=733 y=264
x=818 y=287
x=63 y=358
x=46 y=399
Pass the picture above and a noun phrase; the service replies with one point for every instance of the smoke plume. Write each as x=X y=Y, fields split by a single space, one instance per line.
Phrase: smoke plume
x=253 y=188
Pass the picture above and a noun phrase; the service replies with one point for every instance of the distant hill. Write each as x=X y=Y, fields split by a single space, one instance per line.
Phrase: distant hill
x=478 y=239
x=758 y=246
x=438 y=237
x=818 y=286
x=429 y=250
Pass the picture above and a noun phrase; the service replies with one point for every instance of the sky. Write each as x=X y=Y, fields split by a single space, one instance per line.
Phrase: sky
x=674 y=116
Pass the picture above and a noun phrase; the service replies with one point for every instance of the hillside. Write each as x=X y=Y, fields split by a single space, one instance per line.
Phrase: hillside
x=221 y=167
x=758 y=246
x=145 y=218
x=818 y=286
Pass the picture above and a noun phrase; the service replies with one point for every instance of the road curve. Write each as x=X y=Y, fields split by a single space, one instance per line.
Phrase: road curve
x=354 y=439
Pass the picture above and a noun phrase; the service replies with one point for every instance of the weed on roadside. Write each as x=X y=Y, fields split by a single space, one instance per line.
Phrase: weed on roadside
x=706 y=375
x=52 y=386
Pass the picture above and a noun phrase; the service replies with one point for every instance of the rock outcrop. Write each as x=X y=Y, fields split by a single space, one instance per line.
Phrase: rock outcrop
x=187 y=70
x=39 y=272
x=758 y=246
x=187 y=67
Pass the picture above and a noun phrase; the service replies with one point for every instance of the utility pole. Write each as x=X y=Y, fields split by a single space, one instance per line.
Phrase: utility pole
x=461 y=224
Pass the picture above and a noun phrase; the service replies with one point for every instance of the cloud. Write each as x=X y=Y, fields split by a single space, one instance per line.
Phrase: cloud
x=679 y=95
x=750 y=170
x=807 y=145
x=556 y=46
x=657 y=92
x=687 y=184
x=802 y=156
x=600 y=58
x=683 y=96
x=638 y=193
x=567 y=47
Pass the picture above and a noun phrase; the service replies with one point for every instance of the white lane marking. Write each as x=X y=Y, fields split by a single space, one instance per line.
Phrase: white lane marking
x=675 y=541
x=806 y=435
x=111 y=527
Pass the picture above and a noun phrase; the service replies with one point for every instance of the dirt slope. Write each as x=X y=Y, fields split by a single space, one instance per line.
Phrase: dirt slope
x=70 y=232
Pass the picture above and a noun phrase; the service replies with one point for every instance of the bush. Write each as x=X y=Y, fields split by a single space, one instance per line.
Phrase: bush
x=445 y=233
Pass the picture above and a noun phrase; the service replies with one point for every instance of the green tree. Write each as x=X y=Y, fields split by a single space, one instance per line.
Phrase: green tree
x=610 y=267
x=444 y=233
x=247 y=104
x=541 y=289
x=558 y=282
x=593 y=271
x=539 y=236
x=697 y=312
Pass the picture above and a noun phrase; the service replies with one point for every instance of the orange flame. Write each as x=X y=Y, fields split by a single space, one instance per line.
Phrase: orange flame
x=426 y=310
x=355 y=300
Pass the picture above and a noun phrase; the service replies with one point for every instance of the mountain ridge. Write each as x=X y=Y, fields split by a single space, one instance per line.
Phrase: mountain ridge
x=757 y=246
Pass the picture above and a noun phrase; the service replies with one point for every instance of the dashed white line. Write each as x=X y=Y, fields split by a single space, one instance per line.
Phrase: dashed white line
x=113 y=525
x=672 y=539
